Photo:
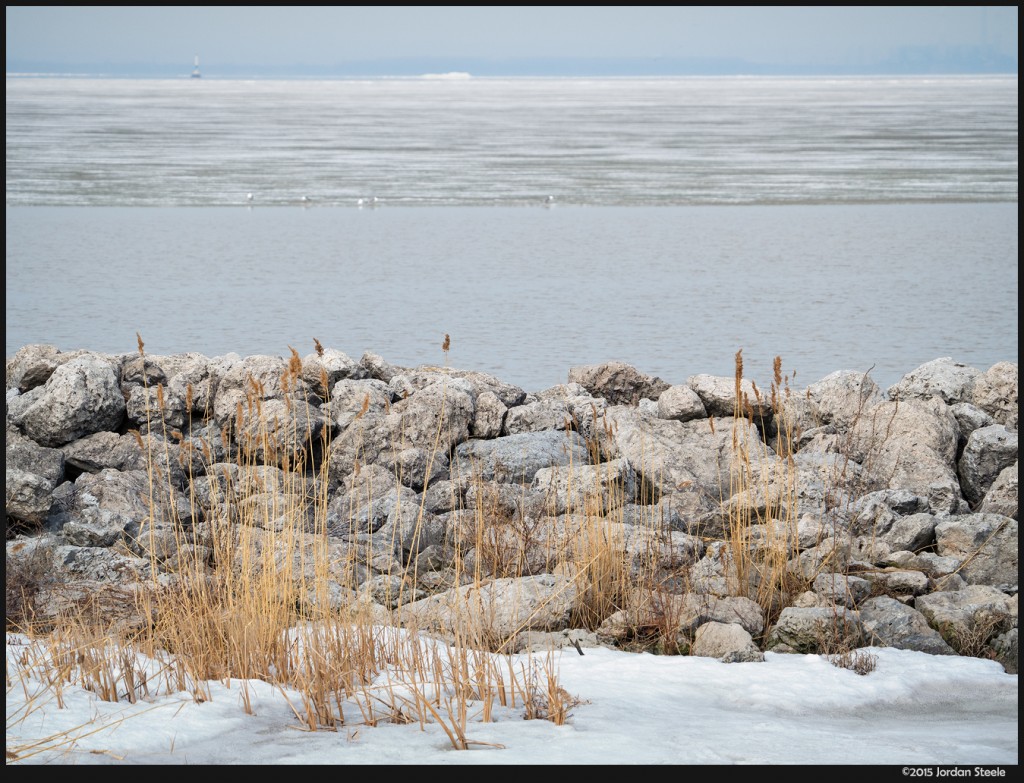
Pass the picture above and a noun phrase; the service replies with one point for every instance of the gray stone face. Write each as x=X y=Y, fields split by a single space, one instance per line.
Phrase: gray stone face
x=841 y=589
x=246 y=381
x=675 y=456
x=437 y=416
x=109 y=507
x=156 y=409
x=368 y=502
x=911 y=445
x=681 y=403
x=26 y=455
x=889 y=623
x=599 y=489
x=351 y=398
x=411 y=529
x=377 y=367
x=31 y=366
x=499 y=610
x=995 y=392
x=815 y=630
x=988 y=452
x=80 y=397
x=537 y=416
x=617 y=382
x=517 y=458
x=718 y=395
x=975 y=614
x=1001 y=497
x=1006 y=648
x=970 y=418
x=912 y=533
x=944 y=378
x=142 y=371
x=489 y=418
x=727 y=642
x=899 y=581
x=843 y=397
x=689 y=611
x=29 y=496
x=330 y=366
x=985 y=544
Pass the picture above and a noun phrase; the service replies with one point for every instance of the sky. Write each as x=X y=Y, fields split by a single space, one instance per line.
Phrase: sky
x=509 y=40
x=633 y=709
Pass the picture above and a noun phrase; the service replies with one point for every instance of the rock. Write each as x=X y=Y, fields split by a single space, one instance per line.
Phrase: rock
x=815 y=630
x=79 y=398
x=681 y=403
x=889 y=623
x=842 y=590
x=988 y=452
x=497 y=611
x=843 y=397
x=597 y=489
x=968 y=619
x=950 y=381
x=718 y=395
x=517 y=458
x=1001 y=497
x=995 y=392
x=617 y=382
x=32 y=366
x=727 y=642
x=985 y=544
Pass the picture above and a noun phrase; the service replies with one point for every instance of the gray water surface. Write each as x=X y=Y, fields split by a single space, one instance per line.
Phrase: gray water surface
x=526 y=293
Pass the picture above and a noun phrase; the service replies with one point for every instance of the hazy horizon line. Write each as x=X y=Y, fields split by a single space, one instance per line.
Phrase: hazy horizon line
x=910 y=61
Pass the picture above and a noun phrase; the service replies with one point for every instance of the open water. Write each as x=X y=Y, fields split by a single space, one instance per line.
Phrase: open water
x=849 y=223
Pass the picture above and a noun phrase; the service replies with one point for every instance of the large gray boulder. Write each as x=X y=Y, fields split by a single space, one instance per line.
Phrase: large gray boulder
x=597 y=489
x=988 y=452
x=351 y=398
x=911 y=445
x=497 y=611
x=674 y=456
x=718 y=395
x=986 y=546
x=890 y=623
x=81 y=396
x=111 y=507
x=995 y=392
x=842 y=398
x=951 y=381
x=323 y=369
x=517 y=458
x=32 y=473
x=32 y=365
x=968 y=618
x=728 y=642
x=617 y=382
x=681 y=403
x=1001 y=497
x=816 y=630
x=537 y=416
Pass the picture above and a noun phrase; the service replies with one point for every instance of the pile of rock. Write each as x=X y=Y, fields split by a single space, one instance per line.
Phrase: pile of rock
x=898 y=509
